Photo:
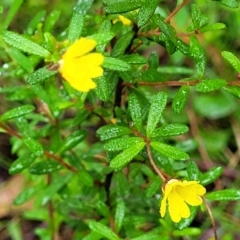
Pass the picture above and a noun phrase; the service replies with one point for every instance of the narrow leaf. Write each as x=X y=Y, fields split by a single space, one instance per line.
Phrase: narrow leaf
x=158 y=103
x=232 y=59
x=115 y=64
x=211 y=175
x=169 y=151
x=103 y=230
x=123 y=6
x=33 y=145
x=210 y=85
x=224 y=195
x=119 y=214
x=212 y=27
x=173 y=129
x=122 y=143
x=44 y=167
x=23 y=44
x=17 y=112
x=126 y=156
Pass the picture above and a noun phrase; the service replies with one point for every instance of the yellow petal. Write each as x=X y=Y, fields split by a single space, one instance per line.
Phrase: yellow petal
x=177 y=207
x=163 y=207
x=82 y=85
x=79 y=48
x=124 y=20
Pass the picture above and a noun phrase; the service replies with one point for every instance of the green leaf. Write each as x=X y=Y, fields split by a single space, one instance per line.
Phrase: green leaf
x=40 y=75
x=103 y=90
x=21 y=59
x=102 y=38
x=115 y=64
x=51 y=20
x=33 y=145
x=77 y=20
x=198 y=19
x=126 y=156
x=158 y=103
x=135 y=111
x=73 y=140
x=103 y=230
x=234 y=90
x=23 y=44
x=169 y=151
x=112 y=131
x=232 y=59
x=134 y=58
x=146 y=11
x=17 y=112
x=173 y=129
x=181 y=98
x=21 y=163
x=191 y=231
x=209 y=85
x=122 y=143
x=230 y=3
x=26 y=194
x=85 y=178
x=153 y=60
x=14 y=8
x=211 y=175
x=33 y=23
x=122 y=6
x=193 y=171
x=166 y=28
x=224 y=195
x=119 y=214
x=212 y=27
x=185 y=222
x=44 y=167
x=198 y=55
x=122 y=44
x=153 y=188
x=102 y=208
x=151 y=75
x=175 y=70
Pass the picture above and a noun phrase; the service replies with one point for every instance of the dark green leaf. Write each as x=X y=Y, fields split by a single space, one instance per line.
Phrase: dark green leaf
x=112 y=131
x=166 y=28
x=185 y=222
x=153 y=60
x=211 y=175
x=103 y=230
x=21 y=163
x=232 y=59
x=86 y=178
x=33 y=24
x=115 y=64
x=33 y=145
x=40 y=75
x=72 y=140
x=181 y=98
x=44 y=167
x=158 y=103
x=17 y=112
x=169 y=151
x=224 y=195
x=208 y=85
x=198 y=55
x=126 y=156
x=173 y=129
x=234 y=90
x=122 y=6
x=122 y=143
x=122 y=44
x=193 y=171
x=135 y=111
x=23 y=44
x=153 y=188
x=146 y=11
x=51 y=20
x=151 y=75
x=102 y=208
x=119 y=214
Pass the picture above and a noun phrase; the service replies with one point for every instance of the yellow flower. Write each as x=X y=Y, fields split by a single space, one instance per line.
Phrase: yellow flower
x=79 y=67
x=177 y=194
x=123 y=19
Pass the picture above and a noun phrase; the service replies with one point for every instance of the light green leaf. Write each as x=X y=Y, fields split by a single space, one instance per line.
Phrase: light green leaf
x=158 y=103
x=232 y=59
x=209 y=85
x=103 y=230
x=23 y=44
x=122 y=143
x=33 y=145
x=224 y=195
x=119 y=214
x=122 y=6
x=126 y=156
x=212 y=27
x=169 y=151
x=211 y=175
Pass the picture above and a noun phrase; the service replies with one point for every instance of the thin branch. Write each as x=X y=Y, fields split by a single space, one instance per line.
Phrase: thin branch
x=211 y=217
x=161 y=175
